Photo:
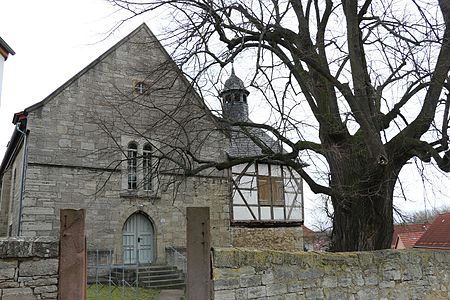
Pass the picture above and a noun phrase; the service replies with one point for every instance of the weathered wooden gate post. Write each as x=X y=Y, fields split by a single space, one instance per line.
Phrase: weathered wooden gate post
x=198 y=254
x=72 y=255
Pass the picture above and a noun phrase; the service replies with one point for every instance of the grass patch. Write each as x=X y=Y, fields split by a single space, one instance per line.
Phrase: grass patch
x=115 y=292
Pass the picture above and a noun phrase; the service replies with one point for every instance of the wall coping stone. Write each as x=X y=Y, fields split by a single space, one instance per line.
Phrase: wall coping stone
x=26 y=247
x=232 y=257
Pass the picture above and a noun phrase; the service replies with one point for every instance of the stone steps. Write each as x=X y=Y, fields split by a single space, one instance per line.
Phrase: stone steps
x=151 y=276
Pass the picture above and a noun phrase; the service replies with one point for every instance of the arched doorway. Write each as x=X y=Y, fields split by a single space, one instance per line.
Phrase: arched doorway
x=138 y=240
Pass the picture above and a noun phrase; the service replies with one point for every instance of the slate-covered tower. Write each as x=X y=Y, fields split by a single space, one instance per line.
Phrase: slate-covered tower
x=234 y=95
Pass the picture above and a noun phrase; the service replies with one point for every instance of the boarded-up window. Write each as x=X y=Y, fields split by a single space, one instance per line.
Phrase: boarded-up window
x=263 y=190
x=270 y=190
x=277 y=191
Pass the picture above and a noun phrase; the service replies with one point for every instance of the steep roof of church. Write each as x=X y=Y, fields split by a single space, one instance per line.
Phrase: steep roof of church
x=250 y=142
x=143 y=26
x=15 y=139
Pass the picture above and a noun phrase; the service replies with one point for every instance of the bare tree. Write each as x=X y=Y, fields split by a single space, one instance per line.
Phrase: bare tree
x=357 y=86
x=424 y=216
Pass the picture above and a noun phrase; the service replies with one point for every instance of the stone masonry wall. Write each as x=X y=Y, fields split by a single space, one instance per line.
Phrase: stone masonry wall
x=75 y=162
x=28 y=268
x=278 y=238
x=5 y=195
x=388 y=274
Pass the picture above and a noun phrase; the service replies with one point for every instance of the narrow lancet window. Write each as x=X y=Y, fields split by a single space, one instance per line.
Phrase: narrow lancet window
x=132 y=165
x=147 y=167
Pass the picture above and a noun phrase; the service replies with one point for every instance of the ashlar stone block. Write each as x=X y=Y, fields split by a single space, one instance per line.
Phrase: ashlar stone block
x=39 y=267
x=225 y=295
x=7 y=273
x=250 y=280
x=46 y=289
x=226 y=284
x=256 y=292
x=18 y=294
x=276 y=289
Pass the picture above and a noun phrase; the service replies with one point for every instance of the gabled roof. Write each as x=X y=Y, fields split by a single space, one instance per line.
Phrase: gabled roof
x=407 y=228
x=90 y=66
x=16 y=138
x=438 y=234
x=407 y=240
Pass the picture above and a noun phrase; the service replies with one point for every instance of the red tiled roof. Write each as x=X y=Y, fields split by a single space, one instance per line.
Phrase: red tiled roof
x=438 y=234
x=407 y=228
x=408 y=239
x=308 y=232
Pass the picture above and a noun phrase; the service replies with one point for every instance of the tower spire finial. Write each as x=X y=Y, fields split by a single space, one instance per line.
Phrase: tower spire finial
x=232 y=67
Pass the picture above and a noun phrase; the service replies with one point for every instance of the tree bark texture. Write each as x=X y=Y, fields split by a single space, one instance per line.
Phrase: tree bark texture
x=363 y=213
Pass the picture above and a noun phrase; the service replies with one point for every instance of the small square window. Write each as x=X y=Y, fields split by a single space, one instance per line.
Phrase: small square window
x=140 y=88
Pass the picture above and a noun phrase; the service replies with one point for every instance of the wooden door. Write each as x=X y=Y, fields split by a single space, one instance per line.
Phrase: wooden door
x=138 y=239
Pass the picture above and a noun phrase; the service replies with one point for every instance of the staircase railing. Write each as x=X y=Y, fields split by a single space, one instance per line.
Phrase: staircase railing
x=179 y=259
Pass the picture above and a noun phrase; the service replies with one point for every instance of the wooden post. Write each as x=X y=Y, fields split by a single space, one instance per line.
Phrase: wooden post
x=72 y=255
x=198 y=254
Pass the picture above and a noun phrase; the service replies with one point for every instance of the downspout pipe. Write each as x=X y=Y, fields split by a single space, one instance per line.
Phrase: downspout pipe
x=22 y=176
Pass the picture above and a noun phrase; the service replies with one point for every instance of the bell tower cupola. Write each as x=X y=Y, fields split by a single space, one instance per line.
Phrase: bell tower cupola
x=234 y=98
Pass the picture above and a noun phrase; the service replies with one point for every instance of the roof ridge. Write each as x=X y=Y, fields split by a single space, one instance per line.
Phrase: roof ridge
x=89 y=67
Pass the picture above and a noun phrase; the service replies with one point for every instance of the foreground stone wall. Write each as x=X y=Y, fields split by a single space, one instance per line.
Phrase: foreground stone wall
x=251 y=274
x=28 y=268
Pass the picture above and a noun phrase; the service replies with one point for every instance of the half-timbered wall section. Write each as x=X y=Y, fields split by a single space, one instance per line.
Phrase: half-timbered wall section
x=266 y=192
x=267 y=207
x=266 y=203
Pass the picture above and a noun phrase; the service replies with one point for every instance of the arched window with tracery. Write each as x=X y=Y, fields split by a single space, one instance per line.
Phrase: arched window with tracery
x=147 y=167
x=132 y=165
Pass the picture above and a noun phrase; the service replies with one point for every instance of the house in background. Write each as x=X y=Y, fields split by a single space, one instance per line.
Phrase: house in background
x=437 y=237
x=117 y=140
x=406 y=235
x=5 y=51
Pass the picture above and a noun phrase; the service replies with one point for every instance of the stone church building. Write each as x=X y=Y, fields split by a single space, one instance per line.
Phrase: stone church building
x=128 y=140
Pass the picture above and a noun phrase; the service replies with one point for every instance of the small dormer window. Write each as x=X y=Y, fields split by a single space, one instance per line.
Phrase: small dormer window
x=140 y=88
x=237 y=97
x=227 y=98
x=245 y=98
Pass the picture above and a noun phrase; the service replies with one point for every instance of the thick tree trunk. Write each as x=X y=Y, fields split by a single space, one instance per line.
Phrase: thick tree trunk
x=363 y=209
x=364 y=222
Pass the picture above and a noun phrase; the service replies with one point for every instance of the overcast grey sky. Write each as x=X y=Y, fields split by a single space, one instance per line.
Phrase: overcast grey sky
x=53 y=40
